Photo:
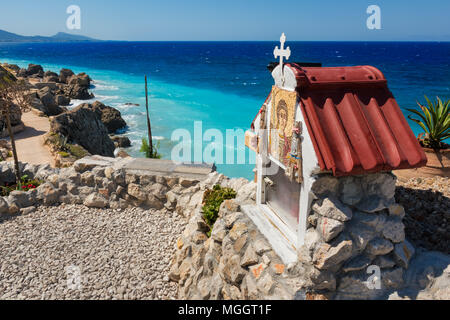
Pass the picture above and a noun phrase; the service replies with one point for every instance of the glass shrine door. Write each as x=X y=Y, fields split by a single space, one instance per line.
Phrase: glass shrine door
x=283 y=198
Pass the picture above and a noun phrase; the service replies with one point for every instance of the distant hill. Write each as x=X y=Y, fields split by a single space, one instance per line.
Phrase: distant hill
x=6 y=36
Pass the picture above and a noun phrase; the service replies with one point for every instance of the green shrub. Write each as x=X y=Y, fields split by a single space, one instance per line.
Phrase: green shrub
x=434 y=119
x=77 y=151
x=64 y=154
x=212 y=199
x=145 y=148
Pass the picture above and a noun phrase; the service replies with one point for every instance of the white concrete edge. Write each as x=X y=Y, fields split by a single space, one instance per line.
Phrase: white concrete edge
x=277 y=240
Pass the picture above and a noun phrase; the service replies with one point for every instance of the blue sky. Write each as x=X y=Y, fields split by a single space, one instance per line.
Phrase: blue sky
x=232 y=19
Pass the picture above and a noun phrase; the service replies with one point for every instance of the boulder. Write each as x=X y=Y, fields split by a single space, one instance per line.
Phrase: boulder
x=64 y=75
x=51 y=108
x=22 y=73
x=50 y=85
x=50 y=76
x=81 y=79
x=84 y=127
x=78 y=92
x=95 y=200
x=35 y=70
x=121 y=141
x=62 y=100
x=110 y=117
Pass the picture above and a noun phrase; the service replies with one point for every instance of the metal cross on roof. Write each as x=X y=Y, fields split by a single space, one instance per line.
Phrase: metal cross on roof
x=282 y=53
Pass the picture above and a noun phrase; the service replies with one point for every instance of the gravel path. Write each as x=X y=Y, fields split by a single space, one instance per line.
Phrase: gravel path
x=120 y=254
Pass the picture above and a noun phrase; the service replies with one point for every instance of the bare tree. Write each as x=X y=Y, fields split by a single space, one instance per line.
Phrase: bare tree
x=13 y=93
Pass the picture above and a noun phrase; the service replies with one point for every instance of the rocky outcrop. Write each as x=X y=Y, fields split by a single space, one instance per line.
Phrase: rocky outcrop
x=50 y=76
x=13 y=67
x=65 y=75
x=35 y=70
x=111 y=118
x=49 y=105
x=50 y=91
x=121 y=141
x=77 y=86
x=83 y=126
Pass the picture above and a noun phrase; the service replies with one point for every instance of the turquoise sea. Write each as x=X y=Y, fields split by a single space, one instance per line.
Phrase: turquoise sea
x=222 y=84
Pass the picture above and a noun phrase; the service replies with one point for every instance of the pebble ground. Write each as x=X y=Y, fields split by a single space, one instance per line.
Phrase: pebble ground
x=427 y=207
x=75 y=252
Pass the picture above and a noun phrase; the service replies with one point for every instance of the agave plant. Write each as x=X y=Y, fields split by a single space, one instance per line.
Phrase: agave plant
x=435 y=121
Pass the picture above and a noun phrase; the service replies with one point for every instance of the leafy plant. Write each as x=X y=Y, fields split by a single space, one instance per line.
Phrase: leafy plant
x=145 y=148
x=212 y=199
x=77 y=151
x=25 y=184
x=63 y=154
x=434 y=119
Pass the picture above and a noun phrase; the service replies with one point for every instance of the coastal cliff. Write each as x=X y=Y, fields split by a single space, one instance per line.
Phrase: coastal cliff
x=74 y=133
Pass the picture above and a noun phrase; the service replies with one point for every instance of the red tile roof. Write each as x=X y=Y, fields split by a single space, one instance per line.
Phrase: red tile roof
x=355 y=124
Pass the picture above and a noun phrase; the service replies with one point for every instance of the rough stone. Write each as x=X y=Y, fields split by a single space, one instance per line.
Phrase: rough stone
x=394 y=230
x=3 y=206
x=397 y=210
x=233 y=271
x=357 y=263
x=325 y=185
x=350 y=190
x=384 y=262
x=403 y=252
x=47 y=193
x=96 y=200
x=261 y=246
x=334 y=209
x=323 y=280
x=379 y=247
x=392 y=279
x=250 y=257
x=328 y=255
x=329 y=228
x=266 y=283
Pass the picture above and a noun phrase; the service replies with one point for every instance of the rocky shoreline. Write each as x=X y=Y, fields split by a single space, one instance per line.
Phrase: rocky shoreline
x=87 y=129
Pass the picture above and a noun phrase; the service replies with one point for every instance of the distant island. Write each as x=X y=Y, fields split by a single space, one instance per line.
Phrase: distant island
x=6 y=36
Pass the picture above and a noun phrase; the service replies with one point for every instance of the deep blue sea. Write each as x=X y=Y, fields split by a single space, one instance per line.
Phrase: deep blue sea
x=223 y=84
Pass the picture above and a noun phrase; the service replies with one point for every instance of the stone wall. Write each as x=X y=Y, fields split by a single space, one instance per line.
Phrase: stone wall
x=354 y=223
x=98 y=182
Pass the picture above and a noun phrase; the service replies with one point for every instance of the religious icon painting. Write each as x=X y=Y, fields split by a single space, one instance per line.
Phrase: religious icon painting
x=282 y=119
